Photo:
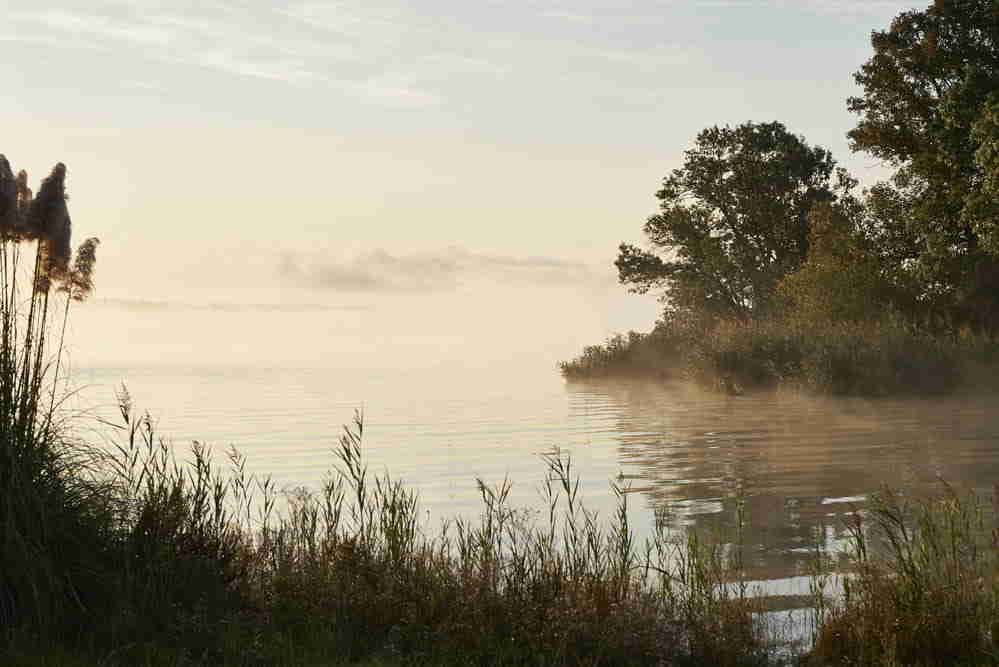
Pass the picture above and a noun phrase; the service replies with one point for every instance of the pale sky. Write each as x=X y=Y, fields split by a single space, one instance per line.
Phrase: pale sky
x=381 y=145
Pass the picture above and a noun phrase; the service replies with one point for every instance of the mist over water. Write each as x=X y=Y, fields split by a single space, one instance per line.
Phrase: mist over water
x=452 y=385
x=798 y=463
x=463 y=385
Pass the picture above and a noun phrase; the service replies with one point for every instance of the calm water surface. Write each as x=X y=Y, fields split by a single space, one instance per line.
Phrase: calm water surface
x=798 y=464
x=464 y=385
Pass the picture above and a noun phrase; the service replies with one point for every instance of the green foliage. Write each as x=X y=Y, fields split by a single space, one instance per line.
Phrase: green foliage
x=656 y=353
x=843 y=279
x=733 y=220
x=736 y=356
x=618 y=355
x=760 y=236
x=928 y=92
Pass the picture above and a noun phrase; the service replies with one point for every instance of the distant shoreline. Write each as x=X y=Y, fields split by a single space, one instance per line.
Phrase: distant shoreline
x=847 y=359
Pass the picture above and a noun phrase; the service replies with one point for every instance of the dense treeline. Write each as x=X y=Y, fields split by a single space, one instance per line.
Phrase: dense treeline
x=765 y=252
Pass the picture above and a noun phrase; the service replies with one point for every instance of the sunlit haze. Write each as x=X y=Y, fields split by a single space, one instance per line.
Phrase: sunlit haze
x=422 y=202
x=346 y=146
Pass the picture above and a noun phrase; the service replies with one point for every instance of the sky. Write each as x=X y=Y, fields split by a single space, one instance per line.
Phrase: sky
x=378 y=146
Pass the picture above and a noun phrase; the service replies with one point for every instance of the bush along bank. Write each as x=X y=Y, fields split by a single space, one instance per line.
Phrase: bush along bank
x=864 y=359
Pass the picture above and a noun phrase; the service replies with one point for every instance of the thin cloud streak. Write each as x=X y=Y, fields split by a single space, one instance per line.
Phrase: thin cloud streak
x=822 y=7
x=145 y=305
x=569 y=17
x=242 y=45
x=138 y=33
x=447 y=269
x=602 y=12
x=384 y=54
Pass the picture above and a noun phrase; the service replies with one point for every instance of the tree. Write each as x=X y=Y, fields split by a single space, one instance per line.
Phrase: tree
x=844 y=278
x=733 y=220
x=925 y=109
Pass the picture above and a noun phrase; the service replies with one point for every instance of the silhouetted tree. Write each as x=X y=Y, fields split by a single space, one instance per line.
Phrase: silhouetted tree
x=734 y=220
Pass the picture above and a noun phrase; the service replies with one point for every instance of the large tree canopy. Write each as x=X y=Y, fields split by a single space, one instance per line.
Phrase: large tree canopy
x=733 y=220
x=929 y=108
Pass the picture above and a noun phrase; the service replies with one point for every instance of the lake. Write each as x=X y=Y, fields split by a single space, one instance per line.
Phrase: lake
x=443 y=406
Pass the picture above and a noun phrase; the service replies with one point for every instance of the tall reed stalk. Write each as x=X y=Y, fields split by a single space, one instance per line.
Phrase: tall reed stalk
x=46 y=522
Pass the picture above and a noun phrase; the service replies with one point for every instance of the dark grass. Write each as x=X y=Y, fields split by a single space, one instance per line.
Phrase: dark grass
x=924 y=585
x=199 y=568
x=200 y=572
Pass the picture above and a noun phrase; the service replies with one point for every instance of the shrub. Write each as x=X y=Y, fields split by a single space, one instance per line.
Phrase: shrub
x=867 y=359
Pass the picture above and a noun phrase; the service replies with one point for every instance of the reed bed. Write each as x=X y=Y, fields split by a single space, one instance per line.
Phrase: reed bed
x=923 y=588
x=206 y=569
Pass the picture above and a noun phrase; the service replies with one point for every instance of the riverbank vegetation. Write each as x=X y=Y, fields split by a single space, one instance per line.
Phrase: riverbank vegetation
x=923 y=588
x=774 y=269
x=117 y=553
x=191 y=565
x=161 y=562
x=865 y=359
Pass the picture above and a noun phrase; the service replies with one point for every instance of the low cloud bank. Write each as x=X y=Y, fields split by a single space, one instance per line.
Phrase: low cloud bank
x=160 y=306
x=381 y=271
